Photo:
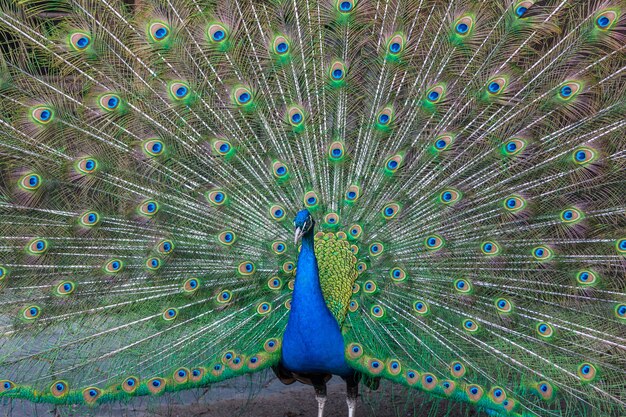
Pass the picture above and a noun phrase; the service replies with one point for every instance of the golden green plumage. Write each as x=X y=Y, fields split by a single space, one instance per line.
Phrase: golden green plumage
x=337 y=268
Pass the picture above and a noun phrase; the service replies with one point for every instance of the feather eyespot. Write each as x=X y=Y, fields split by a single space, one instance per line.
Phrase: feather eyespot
x=153 y=147
x=216 y=197
x=435 y=94
x=374 y=366
x=470 y=325
x=156 y=385
x=390 y=211
x=280 y=170
x=353 y=306
x=513 y=147
x=277 y=212
x=65 y=288
x=497 y=395
x=620 y=311
x=587 y=372
x=165 y=247
x=583 y=156
x=545 y=390
x=376 y=249
x=448 y=387
x=153 y=264
x=586 y=277
x=130 y=384
x=396 y=44
x=421 y=307
x=360 y=268
x=605 y=20
x=353 y=193
x=355 y=231
x=337 y=71
x=191 y=285
x=264 y=308
x=59 y=389
x=545 y=330
x=310 y=199
x=179 y=90
x=271 y=345
x=354 y=350
x=377 y=311
x=217 y=33
x=242 y=96
x=86 y=166
x=457 y=369
x=246 y=268
x=514 y=203
x=79 y=41
x=571 y=215
x=113 y=266
x=169 y=314
x=429 y=381
x=522 y=7
x=412 y=377
x=369 y=287
x=385 y=117
x=224 y=297
x=474 y=392
x=181 y=375
x=6 y=385
x=449 y=196
x=393 y=163
x=288 y=267
x=490 y=248
x=463 y=286
x=345 y=6
x=42 y=114
x=31 y=312
x=434 y=242
x=397 y=274
x=464 y=25
x=30 y=181
x=159 y=31
x=569 y=90
x=394 y=367
x=37 y=246
x=503 y=305
x=542 y=253
x=496 y=85
x=274 y=283
x=3 y=273
x=295 y=116
x=148 y=208
x=331 y=219
x=279 y=247
x=91 y=394
x=280 y=45
x=109 y=102
x=222 y=147
x=443 y=142
x=336 y=151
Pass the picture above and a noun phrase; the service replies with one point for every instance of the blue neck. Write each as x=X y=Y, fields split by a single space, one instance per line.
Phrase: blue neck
x=307 y=290
x=313 y=341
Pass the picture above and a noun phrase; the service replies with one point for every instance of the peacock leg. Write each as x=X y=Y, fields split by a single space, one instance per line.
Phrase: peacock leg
x=320 y=396
x=352 y=384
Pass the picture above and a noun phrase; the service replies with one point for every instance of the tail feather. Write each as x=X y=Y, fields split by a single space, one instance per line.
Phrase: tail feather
x=472 y=154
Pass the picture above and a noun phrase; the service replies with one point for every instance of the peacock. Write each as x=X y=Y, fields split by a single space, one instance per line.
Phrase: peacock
x=426 y=192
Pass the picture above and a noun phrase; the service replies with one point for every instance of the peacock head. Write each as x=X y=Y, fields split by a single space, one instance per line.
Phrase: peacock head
x=304 y=223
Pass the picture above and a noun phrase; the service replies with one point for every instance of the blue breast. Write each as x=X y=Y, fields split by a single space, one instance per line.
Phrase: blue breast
x=312 y=341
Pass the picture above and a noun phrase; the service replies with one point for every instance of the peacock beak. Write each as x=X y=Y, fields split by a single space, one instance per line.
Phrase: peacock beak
x=298 y=235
